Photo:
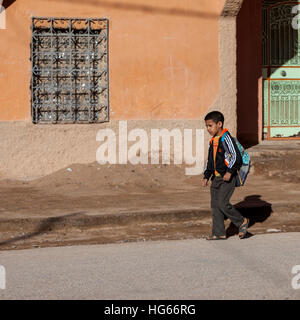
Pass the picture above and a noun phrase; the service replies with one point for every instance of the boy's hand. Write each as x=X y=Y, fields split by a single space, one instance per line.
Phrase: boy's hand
x=227 y=176
x=204 y=182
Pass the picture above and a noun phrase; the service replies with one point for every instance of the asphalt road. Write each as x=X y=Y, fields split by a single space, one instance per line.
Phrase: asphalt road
x=259 y=267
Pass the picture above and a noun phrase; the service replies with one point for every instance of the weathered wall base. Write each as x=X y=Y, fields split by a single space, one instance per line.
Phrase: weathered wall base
x=31 y=151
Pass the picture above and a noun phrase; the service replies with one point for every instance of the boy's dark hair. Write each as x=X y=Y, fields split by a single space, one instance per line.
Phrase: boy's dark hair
x=215 y=116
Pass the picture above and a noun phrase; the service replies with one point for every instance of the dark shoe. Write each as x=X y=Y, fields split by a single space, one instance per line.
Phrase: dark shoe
x=244 y=229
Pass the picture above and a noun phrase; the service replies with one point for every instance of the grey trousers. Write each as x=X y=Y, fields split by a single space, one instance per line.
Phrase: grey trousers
x=221 y=192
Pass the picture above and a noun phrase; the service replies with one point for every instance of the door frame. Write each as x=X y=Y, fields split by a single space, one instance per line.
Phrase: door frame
x=269 y=79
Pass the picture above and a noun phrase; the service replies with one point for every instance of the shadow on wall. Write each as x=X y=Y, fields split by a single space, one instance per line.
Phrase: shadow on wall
x=249 y=71
x=148 y=9
x=7 y=3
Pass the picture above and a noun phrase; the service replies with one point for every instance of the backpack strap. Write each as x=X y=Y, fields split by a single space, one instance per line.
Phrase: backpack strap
x=224 y=134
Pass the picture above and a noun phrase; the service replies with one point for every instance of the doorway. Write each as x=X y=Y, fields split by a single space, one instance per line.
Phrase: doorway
x=281 y=70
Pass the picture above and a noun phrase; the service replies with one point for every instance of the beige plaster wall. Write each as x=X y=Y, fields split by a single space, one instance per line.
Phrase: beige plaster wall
x=163 y=55
x=29 y=151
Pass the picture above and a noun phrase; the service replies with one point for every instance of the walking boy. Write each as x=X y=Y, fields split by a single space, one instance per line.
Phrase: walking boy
x=222 y=167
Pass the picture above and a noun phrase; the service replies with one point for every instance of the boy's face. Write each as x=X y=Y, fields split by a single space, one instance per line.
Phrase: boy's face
x=214 y=128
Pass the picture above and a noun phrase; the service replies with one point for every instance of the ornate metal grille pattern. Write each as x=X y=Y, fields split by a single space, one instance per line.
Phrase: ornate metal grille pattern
x=281 y=36
x=69 y=81
x=284 y=38
x=285 y=103
x=265 y=37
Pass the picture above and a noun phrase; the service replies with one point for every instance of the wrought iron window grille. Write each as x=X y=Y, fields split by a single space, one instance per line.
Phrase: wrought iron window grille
x=69 y=79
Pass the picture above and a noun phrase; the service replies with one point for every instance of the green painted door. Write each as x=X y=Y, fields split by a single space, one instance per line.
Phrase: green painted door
x=281 y=69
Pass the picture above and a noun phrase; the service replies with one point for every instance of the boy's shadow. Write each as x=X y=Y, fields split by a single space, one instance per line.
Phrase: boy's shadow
x=253 y=208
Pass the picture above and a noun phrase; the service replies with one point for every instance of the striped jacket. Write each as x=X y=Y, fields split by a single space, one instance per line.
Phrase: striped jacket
x=225 y=161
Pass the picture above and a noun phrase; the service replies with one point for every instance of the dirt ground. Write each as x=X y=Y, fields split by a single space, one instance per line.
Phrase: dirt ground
x=158 y=201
